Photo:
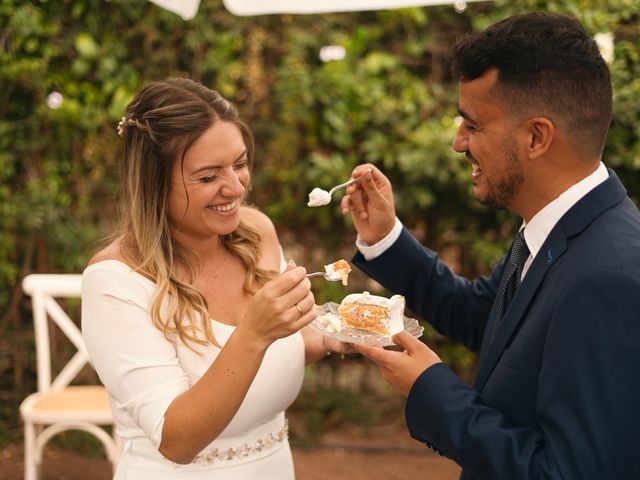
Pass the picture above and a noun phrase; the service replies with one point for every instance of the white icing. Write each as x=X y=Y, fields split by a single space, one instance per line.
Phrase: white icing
x=319 y=197
x=330 y=322
x=334 y=275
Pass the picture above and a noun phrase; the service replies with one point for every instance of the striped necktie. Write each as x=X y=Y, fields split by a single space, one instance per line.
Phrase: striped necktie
x=519 y=255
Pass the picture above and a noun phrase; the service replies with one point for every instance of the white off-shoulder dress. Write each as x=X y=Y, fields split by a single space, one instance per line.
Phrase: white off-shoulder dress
x=144 y=372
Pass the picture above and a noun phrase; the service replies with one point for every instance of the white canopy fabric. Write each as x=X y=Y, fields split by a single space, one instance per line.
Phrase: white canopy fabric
x=187 y=9
x=261 y=7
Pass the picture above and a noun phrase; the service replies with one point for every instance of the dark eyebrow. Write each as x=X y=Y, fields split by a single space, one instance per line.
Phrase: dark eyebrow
x=216 y=168
x=465 y=115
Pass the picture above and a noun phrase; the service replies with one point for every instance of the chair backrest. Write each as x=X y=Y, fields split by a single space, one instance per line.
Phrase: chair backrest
x=44 y=289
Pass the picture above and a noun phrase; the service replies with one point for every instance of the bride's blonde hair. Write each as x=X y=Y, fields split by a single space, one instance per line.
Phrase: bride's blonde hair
x=160 y=125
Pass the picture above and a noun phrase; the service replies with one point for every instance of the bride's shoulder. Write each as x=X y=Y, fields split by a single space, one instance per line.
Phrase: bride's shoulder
x=258 y=220
x=110 y=252
x=270 y=249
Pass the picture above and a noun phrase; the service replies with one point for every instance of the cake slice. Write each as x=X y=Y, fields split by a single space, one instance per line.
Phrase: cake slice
x=373 y=313
x=366 y=317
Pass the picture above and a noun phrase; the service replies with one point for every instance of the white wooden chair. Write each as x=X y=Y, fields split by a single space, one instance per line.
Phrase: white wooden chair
x=57 y=405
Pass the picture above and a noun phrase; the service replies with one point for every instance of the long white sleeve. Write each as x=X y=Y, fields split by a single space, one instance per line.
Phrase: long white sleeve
x=134 y=360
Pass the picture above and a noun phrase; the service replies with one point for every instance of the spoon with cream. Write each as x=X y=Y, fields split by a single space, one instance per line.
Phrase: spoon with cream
x=319 y=197
x=334 y=271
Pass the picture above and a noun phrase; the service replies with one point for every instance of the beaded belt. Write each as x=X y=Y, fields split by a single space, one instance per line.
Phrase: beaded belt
x=223 y=455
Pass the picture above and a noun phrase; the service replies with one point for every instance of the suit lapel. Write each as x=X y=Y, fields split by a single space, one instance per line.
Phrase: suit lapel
x=601 y=198
x=551 y=251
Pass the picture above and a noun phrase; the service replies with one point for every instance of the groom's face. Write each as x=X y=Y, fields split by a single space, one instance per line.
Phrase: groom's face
x=487 y=137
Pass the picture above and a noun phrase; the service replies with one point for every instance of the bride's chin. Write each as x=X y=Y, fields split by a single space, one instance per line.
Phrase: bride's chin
x=230 y=226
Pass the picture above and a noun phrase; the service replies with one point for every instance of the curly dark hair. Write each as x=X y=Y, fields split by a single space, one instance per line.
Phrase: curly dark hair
x=547 y=65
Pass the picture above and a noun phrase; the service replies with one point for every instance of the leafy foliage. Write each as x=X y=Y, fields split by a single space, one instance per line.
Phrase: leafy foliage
x=391 y=101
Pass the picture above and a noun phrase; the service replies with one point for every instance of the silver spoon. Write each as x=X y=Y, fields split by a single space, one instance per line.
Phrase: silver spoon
x=321 y=274
x=331 y=273
x=319 y=197
x=342 y=185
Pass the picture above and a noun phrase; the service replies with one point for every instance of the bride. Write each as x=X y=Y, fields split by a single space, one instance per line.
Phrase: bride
x=193 y=320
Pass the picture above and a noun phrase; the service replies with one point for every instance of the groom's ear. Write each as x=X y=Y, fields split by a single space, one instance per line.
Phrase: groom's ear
x=540 y=133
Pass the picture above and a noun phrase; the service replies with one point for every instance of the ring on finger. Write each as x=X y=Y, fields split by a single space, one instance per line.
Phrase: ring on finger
x=298 y=308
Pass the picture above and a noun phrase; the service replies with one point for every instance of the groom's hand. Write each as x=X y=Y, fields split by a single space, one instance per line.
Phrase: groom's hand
x=370 y=201
x=401 y=369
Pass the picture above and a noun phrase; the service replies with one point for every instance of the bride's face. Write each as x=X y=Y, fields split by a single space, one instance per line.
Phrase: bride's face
x=208 y=188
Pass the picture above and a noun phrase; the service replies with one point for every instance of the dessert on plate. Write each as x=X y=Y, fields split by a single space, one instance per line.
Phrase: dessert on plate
x=363 y=311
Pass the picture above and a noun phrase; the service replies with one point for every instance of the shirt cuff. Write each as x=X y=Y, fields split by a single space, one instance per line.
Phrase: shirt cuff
x=369 y=252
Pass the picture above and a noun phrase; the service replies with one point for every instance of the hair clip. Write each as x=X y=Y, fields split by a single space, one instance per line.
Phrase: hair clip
x=121 y=126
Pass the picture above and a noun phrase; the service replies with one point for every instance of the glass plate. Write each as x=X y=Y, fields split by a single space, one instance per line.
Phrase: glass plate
x=354 y=335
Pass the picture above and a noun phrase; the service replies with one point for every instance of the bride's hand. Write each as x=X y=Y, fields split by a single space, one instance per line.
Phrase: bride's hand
x=281 y=307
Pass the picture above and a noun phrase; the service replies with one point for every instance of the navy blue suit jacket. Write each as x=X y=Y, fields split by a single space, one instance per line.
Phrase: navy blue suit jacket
x=557 y=392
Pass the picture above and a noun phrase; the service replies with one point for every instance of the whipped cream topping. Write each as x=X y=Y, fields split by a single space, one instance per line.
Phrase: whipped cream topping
x=330 y=322
x=338 y=271
x=319 y=197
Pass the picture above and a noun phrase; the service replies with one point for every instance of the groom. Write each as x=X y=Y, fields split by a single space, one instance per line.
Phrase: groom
x=557 y=322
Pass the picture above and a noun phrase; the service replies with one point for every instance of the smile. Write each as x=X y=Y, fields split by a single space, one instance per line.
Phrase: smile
x=226 y=207
x=475 y=172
